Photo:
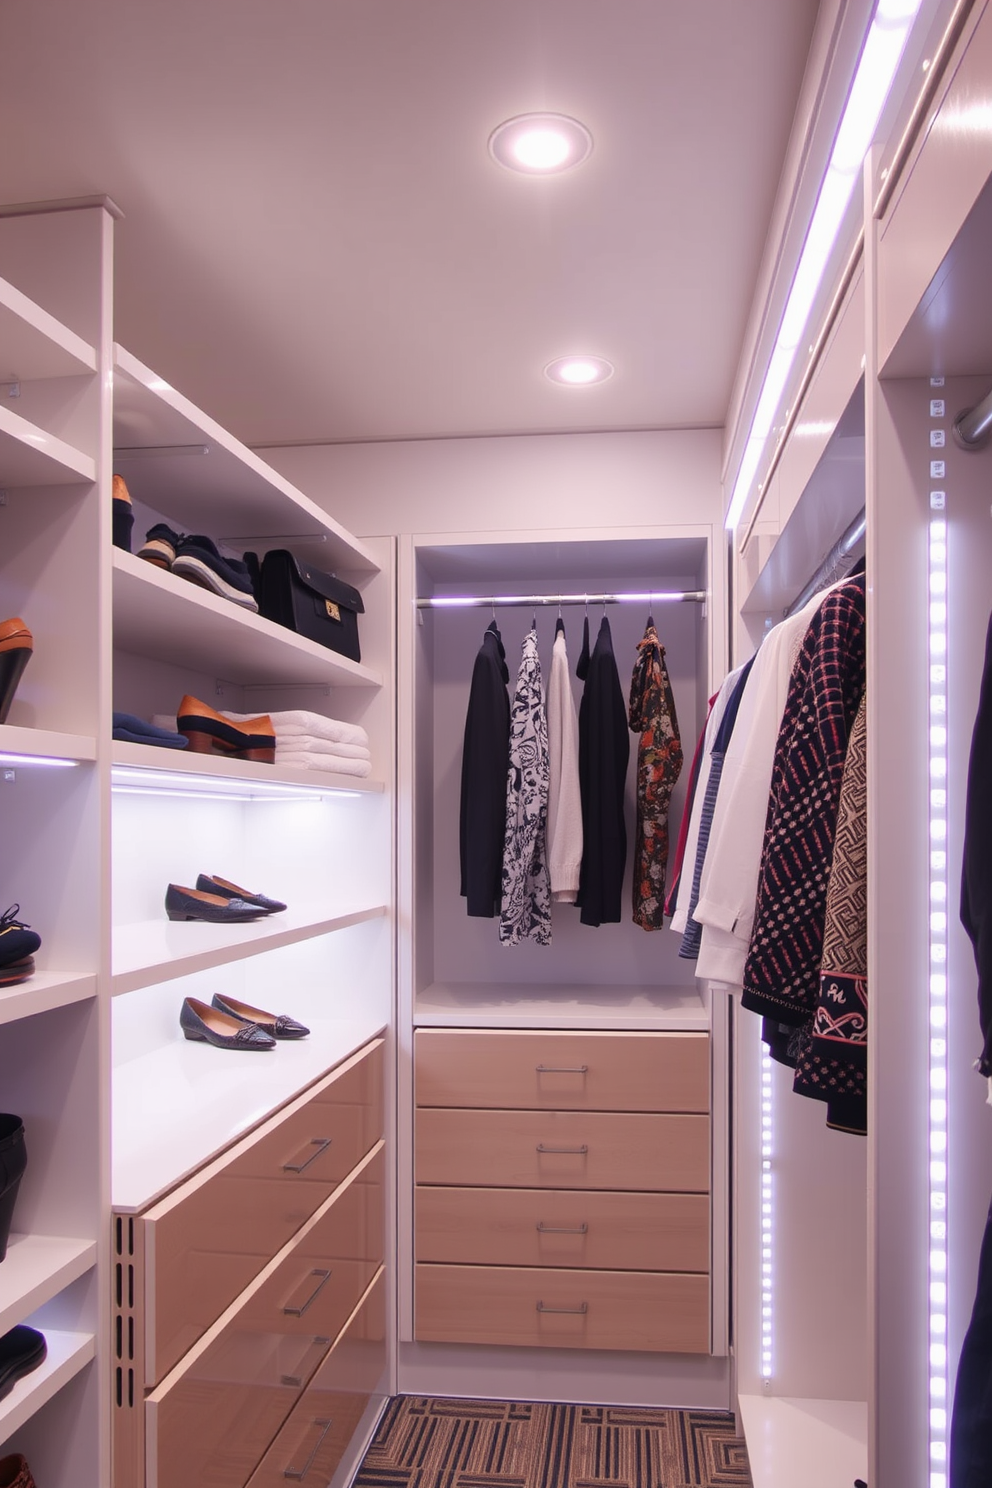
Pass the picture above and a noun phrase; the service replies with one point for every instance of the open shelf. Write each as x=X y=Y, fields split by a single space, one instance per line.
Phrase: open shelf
x=229 y=492
x=35 y=344
x=68 y=1353
x=159 y=950
x=182 y=1103
x=43 y=992
x=828 y=1437
x=537 y=1005
x=182 y=769
x=29 y=456
x=45 y=743
x=35 y=1268
x=172 y=620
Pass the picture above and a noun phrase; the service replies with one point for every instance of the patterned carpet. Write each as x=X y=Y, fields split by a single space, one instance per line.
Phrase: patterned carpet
x=433 y=1443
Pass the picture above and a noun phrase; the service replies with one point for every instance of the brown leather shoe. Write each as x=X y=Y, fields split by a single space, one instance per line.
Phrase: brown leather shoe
x=16 y=646
x=15 y=1473
x=209 y=732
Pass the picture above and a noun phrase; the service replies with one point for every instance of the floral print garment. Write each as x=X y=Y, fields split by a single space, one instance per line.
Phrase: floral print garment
x=525 y=913
x=659 y=763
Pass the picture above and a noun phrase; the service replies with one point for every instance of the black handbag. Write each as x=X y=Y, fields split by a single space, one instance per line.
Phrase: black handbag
x=314 y=604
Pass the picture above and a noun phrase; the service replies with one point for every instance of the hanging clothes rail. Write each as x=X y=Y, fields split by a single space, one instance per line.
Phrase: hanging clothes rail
x=527 y=601
x=833 y=566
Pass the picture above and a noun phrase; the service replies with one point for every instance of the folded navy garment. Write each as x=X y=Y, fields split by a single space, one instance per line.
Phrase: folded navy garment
x=132 y=730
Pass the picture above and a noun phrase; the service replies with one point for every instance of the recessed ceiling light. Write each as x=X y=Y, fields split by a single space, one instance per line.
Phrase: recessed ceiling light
x=579 y=371
x=540 y=144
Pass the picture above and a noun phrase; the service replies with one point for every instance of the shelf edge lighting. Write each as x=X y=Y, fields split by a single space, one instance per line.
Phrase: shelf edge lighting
x=881 y=54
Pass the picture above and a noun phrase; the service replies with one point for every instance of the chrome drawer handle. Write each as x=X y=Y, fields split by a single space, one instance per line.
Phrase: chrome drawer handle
x=296 y=1380
x=299 y=1473
x=583 y=1149
x=578 y=1311
x=543 y=1229
x=325 y=1277
x=321 y=1144
x=562 y=1069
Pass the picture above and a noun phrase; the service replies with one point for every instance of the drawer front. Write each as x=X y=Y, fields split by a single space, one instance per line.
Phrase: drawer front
x=643 y=1311
x=317 y=1433
x=206 y=1242
x=527 y=1227
x=213 y=1418
x=563 y=1071
x=563 y=1149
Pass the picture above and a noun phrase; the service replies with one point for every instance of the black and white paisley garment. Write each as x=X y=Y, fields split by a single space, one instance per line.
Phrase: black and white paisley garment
x=526 y=905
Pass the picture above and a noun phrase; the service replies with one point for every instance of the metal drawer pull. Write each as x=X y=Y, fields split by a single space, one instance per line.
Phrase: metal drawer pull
x=299 y=1473
x=296 y=1380
x=541 y=1148
x=582 y=1229
x=580 y=1310
x=325 y=1277
x=321 y=1144
x=562 y=1069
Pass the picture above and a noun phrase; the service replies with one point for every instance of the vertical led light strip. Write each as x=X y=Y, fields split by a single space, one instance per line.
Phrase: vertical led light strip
x=938 y=958
x=767 y=1207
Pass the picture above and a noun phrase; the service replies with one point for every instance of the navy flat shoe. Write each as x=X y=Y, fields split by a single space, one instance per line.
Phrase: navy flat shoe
x=161 y=542
x=199 y=559
x=227 y=890
x=21 y=1350
x=193 y=904
x=211 y=1026
x=17 y=940
x=277 y=1026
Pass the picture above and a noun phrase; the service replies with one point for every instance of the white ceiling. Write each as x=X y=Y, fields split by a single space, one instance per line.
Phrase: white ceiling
x=317 y=246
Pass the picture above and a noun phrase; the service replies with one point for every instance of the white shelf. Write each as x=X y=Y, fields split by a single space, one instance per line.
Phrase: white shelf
x=829 y=1438
x=68 y=1353
x=181 y=1104
x=204 y=770
x=29 y=456
x=36 y=1267
x=43 y=992
x=537 y=1005
x=230 y=493
x=173 y=620
x=46 y=743
x=33 y=344
x=151 y=951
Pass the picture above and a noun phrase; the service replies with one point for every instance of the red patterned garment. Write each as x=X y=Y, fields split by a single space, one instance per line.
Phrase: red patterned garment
x=659 y=763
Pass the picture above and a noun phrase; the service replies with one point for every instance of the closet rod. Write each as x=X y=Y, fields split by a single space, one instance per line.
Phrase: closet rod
x=830 y=568
x=971 y=428
x=528 y=601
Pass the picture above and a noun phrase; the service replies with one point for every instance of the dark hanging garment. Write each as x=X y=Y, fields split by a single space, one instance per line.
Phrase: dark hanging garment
x=604 y=751
x=485 y=759
x=976 y=878
x=659 y=763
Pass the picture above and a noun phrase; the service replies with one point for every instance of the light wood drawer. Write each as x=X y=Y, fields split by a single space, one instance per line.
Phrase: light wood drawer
x=310 y=1445
x=563 y=1149
x=205 y=1242
x=210 y=1421
x=563 y=1071
x=527 y=1227
x=644 y=1311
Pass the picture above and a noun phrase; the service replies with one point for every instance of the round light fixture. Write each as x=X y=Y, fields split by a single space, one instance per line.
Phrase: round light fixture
x=579 y=371
x=540 y=144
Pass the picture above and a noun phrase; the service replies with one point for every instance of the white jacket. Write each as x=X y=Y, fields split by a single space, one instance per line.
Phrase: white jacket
x=564 y=803
x=681 y=911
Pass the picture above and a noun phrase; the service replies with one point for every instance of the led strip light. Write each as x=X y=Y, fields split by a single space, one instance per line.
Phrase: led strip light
x=937 y=573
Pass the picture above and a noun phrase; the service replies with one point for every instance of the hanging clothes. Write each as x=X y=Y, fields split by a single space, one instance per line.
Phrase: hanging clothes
x=976 y=876
x=604 y=752
x=659 y=763
x=525 y=912
x=564 y=795
x=693 y=858
x=782 y=972
x=672 y=899
x=485 y=755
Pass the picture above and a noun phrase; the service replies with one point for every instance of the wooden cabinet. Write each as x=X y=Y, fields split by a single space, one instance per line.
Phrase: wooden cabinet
x=584 y=1226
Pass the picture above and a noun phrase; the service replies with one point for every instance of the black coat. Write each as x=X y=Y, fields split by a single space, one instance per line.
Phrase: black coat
x=485 y=759
x=604 y=751
x=976 y=878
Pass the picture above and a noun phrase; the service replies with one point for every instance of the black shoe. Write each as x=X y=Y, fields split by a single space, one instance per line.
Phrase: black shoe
x=123 y=515
x=160 y=547
x=21 y=1350
x=227 y=890
x=277 y=1026
x=198 y=559
x=17 y=939
x=192 y=904
x=13 y=1161
x=210 y=1026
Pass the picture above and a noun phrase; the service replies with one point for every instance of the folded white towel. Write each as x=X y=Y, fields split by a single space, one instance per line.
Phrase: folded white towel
x=297 y=721
x=331 y=764
x=307 y=744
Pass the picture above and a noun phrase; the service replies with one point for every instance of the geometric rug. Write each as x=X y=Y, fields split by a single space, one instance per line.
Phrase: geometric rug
x=436 y=1443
